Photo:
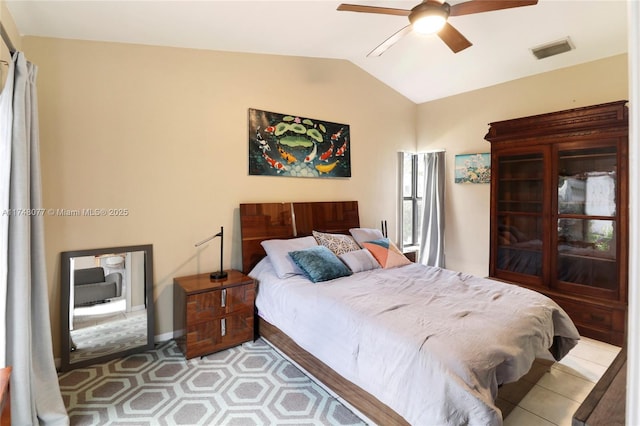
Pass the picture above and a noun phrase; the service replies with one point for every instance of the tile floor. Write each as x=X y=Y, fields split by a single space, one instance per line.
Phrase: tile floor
x=557 y=395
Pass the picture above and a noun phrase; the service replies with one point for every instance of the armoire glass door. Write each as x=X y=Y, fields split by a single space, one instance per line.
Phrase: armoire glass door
x=519 y=211
x=587 y=219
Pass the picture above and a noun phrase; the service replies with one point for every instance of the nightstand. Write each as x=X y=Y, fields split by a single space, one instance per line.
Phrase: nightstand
x=412 y=255
x=210 y=316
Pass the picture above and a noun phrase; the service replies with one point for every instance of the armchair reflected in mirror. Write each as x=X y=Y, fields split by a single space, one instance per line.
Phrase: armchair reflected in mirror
x=106 y=304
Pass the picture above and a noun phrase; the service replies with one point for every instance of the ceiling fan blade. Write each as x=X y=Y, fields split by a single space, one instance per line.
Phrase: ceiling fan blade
x=479 y=6
x=453 y=38
x=390 y=41
x=373 y=9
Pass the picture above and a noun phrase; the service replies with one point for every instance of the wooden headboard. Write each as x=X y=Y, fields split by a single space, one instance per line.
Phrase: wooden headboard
x=265 y=221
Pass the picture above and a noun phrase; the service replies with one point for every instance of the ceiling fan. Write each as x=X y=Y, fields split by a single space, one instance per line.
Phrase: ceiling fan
x=431 y=16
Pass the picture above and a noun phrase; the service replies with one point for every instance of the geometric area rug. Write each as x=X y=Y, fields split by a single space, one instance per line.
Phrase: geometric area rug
x=250 y=384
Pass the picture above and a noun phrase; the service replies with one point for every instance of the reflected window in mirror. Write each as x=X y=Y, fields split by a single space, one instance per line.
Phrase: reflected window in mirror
x=106 y=303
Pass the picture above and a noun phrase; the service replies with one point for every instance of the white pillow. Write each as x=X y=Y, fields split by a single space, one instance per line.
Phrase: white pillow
x=359 y=260
x=278 y=252
x=362 y=235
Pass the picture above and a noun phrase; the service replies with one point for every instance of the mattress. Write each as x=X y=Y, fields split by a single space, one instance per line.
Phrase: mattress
x=431 y=343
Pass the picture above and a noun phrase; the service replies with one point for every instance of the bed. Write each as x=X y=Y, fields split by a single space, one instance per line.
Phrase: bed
x=408 y=344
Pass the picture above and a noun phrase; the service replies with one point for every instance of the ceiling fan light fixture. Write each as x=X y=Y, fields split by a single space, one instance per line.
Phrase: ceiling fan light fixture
x=429 y=17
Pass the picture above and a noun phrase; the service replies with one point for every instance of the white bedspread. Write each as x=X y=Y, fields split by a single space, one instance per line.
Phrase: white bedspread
x=431 y=343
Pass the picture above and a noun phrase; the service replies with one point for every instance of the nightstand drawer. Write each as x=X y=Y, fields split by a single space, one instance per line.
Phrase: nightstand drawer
x=213 y=304
x=211 y=336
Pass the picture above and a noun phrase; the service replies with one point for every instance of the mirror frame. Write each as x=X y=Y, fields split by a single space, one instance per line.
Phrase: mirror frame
x=65 y=282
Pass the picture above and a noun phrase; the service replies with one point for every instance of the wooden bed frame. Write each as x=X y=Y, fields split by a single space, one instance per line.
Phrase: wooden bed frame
x=267 y=221
x=264 y=221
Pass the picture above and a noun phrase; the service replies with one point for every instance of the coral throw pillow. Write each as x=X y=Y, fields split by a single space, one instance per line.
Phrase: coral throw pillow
x=386 y=253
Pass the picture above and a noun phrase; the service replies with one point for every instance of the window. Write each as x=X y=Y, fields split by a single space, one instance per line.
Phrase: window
x=412 y=189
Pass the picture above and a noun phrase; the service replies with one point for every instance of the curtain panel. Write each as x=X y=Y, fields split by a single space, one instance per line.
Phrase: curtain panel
x=35 y=393
x=6 y=124
x=432 y=231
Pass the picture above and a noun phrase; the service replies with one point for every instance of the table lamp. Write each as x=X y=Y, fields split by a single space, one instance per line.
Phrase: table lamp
x=221 y=274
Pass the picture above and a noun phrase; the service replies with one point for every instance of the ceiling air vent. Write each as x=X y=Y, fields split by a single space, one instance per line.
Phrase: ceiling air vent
x=553 y=48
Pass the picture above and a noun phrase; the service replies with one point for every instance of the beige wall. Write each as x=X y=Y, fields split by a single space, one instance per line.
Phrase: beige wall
x=162 y=132
x=10 y=27
x=459 y=124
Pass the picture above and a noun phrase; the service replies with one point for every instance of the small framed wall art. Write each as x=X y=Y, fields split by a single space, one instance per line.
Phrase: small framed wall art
x=291 y=145
x=473 y=168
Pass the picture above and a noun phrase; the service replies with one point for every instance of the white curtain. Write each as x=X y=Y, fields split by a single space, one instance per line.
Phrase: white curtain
x=6 y=120
x=432 y=231
x=35 y=394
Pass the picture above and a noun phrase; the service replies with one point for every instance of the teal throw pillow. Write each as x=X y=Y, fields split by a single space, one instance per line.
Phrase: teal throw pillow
x=319 y=264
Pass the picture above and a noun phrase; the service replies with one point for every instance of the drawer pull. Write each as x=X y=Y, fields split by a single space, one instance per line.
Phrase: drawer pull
x=224 y=298
x=223 y=327
x=597 y=317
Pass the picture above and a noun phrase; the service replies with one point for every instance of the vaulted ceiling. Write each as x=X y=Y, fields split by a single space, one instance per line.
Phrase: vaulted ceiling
x=421 y=68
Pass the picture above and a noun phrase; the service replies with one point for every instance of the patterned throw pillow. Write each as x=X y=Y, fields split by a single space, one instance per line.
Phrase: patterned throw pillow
x=386 y=253
x=319 y=264
x=337 y=243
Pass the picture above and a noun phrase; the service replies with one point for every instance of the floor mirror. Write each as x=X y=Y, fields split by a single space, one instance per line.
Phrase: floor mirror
x=106 y=304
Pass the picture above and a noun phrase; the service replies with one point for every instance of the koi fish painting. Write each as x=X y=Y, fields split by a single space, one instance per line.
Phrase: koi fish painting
x=292 y=145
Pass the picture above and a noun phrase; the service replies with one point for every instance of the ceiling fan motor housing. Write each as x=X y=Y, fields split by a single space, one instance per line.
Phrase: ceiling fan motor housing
x=429 y=8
